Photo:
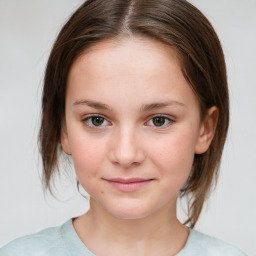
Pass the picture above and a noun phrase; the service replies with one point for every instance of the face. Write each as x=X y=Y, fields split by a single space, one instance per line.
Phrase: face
x=132 y=126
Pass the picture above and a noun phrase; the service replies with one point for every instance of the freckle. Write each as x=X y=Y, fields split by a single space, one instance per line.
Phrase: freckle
x=102 y=192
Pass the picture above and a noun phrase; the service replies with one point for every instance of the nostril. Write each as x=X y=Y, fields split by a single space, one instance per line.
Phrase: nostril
x=127 y=164
x=135 y=164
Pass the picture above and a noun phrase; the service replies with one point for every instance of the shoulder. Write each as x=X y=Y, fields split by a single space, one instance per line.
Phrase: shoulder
x=46 y=242
x=201 y=244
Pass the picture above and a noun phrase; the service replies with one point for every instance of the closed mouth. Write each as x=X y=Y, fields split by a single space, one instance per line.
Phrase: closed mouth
x=126 y=181
x=128 y=185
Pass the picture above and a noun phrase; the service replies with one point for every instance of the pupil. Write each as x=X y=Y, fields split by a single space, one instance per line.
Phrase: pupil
x=158 y=121
x=97 y=120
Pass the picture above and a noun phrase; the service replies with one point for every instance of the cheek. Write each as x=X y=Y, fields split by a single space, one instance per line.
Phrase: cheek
x=174 y=156
x=87 y=155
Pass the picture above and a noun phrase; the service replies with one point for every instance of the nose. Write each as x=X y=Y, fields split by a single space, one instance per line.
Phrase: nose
x=126 y=149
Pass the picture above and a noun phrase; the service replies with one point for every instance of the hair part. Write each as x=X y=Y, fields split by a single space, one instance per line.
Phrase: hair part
x=175 y=23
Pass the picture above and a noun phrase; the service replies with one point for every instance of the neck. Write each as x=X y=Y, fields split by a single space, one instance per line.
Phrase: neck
x=160 y=230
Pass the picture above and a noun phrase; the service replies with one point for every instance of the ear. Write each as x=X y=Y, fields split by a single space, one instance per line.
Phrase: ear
x=65 y=141
x=207 y=130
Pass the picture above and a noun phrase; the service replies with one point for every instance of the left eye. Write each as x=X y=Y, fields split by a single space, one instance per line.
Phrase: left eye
x=159 y=121
x=96 y=121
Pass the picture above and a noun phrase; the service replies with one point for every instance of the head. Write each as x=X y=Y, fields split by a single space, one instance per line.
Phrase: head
x=176 y=25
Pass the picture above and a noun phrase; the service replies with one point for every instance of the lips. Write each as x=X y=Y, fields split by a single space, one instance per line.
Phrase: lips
x=126 y=181
x=128 y=185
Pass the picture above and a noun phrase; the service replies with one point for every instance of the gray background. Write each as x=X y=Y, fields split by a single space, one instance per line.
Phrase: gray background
x=27 y=31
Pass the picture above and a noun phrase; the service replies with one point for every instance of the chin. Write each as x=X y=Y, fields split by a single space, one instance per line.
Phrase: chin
x=129 y=215
x=129 y=211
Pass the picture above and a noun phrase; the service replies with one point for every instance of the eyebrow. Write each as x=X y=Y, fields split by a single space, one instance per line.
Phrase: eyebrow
x=144 y=108
x=157 y=105
x=92 y=104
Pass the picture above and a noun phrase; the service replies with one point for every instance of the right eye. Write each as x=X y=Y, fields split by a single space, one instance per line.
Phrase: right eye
x=95 y=121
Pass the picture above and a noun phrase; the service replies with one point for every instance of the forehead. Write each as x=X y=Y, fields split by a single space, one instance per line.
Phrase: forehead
x=132 y=43
x=127 y=64
x=130 y=56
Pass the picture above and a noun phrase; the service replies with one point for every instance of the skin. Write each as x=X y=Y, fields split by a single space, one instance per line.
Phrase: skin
x=129 y=76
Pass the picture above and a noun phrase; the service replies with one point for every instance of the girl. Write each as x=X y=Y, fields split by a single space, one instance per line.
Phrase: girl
x=136 y=93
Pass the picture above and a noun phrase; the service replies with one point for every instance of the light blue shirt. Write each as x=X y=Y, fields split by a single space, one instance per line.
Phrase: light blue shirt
x=64 y=241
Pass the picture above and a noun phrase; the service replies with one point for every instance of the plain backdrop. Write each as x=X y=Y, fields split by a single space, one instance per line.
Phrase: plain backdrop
x=27 y=31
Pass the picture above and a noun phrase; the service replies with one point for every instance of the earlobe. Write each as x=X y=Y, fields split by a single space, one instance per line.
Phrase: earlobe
x=65 y=142
x=207 y=130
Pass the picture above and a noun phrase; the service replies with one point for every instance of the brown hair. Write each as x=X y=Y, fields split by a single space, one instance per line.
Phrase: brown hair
x=176 y=23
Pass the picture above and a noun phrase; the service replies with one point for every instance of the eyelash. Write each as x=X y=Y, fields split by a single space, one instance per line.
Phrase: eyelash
x=87 y=118
x=166 y=119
